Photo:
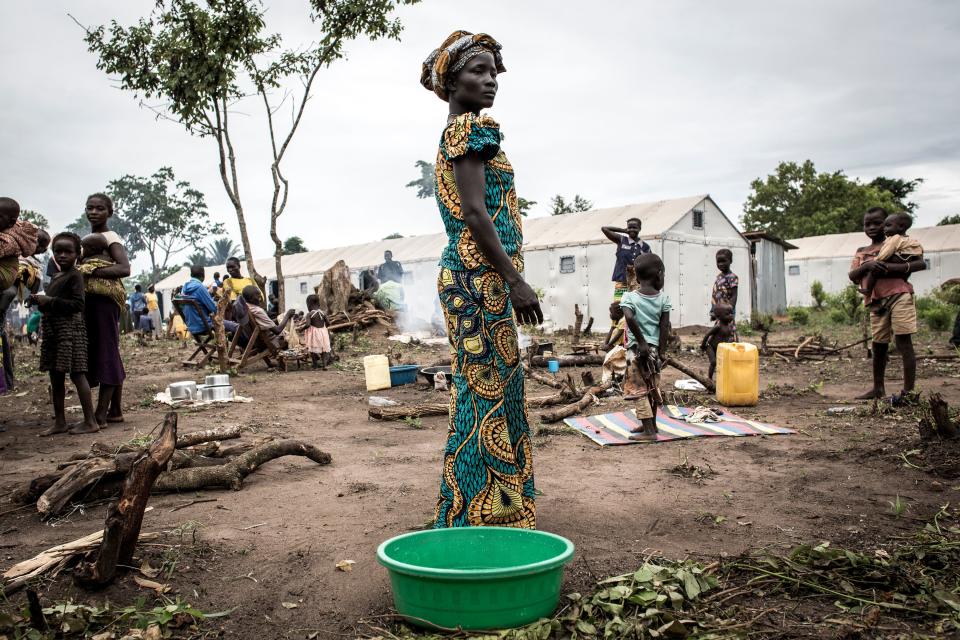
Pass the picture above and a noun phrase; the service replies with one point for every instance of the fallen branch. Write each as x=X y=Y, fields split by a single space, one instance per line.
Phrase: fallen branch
x=207 y=435
x=542 y=379
x=53 y=559
x=575 y=360
x=577 y=407
x=231 y=474
x=940 y=411
x=77 y=478
x=443 y=408
x=699 y=377
x=125 y=517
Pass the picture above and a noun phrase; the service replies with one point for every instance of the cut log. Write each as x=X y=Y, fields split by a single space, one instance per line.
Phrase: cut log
x=699 y=377
x=125 y=517
x=576 y=360
x=231 y=475
x=542 y=379
x=31 y=492
x=577 y=407
x=413 y=411
x=197 y=437
x=77 y=478
x=588 y=330
x=940 y=411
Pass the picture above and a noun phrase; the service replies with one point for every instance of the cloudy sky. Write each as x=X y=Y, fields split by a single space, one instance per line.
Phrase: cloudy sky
x=618 y=101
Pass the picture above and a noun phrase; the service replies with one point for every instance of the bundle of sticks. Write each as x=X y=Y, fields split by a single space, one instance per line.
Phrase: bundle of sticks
x=809 y=348
x=361 y=316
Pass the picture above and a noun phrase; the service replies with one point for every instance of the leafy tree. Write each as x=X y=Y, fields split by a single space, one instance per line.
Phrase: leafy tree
x=796 y=201
x=294 y=244
x=425 y=184
x=900 y=190
x=221 y=249
x=36 y=218
x=394 y=236
x=197 y=257
x=954 y=219
x=525 y=205
x=159 y=215
x=559 y=206
x=200 y=59
x=818 y=293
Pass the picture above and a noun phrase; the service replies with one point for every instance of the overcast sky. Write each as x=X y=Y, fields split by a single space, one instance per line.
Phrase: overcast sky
x=619 y=101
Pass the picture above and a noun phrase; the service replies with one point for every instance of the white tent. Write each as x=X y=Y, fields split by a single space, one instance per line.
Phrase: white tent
x=827 y=259
x=567 y=257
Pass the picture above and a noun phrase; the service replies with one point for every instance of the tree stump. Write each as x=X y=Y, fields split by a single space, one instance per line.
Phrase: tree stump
x=940 y=411
x=220 y=336
x=125 y=516
x=577 y=323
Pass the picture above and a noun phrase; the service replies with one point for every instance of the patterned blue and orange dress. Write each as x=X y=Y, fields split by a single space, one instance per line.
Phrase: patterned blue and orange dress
x=488 y=462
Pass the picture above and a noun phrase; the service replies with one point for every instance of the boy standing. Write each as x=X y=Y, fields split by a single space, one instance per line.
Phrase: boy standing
x=647 y=315
x=727 y=284
x=629 y=246
x=891 y=304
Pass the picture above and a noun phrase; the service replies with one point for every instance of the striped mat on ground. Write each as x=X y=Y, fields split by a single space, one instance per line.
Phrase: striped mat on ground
x=614 y=428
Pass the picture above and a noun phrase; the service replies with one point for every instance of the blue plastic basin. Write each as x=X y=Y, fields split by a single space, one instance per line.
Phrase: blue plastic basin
x=404 y=374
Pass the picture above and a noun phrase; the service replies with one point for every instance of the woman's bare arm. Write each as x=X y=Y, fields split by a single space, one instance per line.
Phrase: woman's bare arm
x=119 y=270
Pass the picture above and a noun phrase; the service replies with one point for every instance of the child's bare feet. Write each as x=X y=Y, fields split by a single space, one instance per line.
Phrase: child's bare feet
x=58 y=427
x=84 y=427
x=647 y=430
x=873 y=394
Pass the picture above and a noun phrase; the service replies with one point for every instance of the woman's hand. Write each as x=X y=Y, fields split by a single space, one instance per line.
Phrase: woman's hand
x=526 y=305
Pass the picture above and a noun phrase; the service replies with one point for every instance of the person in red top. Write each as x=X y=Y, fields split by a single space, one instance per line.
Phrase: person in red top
x=893 y=312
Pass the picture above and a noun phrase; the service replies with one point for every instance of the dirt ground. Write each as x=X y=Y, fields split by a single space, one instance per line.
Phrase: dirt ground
x=278 y=540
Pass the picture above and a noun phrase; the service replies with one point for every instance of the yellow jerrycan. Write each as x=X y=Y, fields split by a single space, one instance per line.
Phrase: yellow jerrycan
x=377 y=372
x=738 y=374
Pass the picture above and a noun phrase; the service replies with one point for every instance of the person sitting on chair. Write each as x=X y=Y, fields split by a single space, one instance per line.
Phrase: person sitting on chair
x=195 y=290
x=271 y=332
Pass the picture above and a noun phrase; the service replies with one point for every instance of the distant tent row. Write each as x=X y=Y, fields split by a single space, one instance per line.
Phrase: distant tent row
x=571 y=261
x=827 y=259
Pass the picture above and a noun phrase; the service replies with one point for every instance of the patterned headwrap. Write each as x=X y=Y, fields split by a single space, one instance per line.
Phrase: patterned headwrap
x=455 y=52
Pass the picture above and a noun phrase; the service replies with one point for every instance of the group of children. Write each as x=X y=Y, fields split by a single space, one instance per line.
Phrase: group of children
x=641 y=317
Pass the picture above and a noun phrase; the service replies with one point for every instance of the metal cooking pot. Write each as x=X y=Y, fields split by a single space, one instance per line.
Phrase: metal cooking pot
x=223 y=392
x=217 y=380
x=186 y=390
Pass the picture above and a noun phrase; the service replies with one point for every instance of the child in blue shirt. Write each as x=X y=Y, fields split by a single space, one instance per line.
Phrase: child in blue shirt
x=647 y=314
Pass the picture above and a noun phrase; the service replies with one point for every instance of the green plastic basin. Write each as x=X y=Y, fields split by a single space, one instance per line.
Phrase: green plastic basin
x=475 y=577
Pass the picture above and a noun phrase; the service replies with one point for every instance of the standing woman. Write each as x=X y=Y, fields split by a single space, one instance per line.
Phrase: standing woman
x=104 y=367
x=488 y=465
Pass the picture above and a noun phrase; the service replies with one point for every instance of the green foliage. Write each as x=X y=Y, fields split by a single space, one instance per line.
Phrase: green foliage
x=796 y=201
x=798 y=315
x=36 y=218
x=849 y=301
x=838 y=316
x=761 y=321
x=525 y=205
x=939 y=318
x=294 y=244
x=220 y=250
x=425 y=184
x=559 y=206
x=413 y=423
x=900 y=190
x=954 y=219
x=818 y=294
x=393 y=236
x=84 y=621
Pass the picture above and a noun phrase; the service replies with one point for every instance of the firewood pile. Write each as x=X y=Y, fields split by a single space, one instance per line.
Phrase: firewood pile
x=206 y=459
x=347 y=308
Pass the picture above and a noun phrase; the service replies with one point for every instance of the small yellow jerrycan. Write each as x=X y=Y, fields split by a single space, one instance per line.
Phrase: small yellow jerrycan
x=377 y=371
x=738 y=374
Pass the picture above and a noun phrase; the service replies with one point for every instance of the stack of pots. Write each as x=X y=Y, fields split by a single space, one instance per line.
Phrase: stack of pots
x=216 y=387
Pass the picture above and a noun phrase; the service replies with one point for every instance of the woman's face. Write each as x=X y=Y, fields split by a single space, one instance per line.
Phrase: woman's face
x=64 y=252
x=97 y=212
x=475 y=87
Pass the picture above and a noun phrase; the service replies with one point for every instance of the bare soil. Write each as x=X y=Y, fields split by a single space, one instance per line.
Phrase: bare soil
x=278 y=540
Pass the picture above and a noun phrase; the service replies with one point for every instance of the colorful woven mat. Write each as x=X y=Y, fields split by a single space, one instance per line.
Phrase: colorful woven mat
x=614 y=428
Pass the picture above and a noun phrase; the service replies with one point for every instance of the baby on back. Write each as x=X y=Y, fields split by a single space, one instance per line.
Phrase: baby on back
x=96 y=254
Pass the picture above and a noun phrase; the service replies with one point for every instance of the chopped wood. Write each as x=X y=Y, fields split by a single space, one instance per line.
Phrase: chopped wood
x=53 y=559
x=542 y=379
x=77 y=478
x=413 y=411
x=231 y=475
x=577 y=407
x=796 y=354
x=29 y=493
x=125 y=516
x=575 y=360
x=217 y=433
x=699 y=377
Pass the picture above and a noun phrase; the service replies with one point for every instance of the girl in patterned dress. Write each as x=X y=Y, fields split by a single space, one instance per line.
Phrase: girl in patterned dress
x=316 y=337
x=63 y=351
x=487 y=474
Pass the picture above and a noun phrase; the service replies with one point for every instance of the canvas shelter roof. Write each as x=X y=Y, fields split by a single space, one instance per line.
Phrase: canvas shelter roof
x=840 y=245
x=539 y=233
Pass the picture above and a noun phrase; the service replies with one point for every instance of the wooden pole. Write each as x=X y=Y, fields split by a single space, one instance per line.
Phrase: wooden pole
x=220 y=336
x=699 y=377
